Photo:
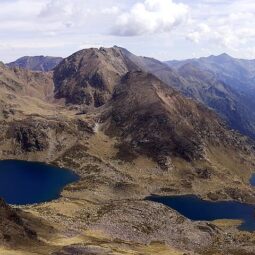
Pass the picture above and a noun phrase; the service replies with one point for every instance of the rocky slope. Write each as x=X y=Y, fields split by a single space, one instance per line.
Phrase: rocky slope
x=156 y=120
x=234 y=102
x=232 y=106
x=36 y=63
x=13 y=228
x=24 y=92
x=128 y=135
x=89 y=76
x=220 y=82
x=26 y=83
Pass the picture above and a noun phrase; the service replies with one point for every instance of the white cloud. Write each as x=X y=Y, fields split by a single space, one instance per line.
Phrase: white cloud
x=63 y=9
x=228 y=25
x=35 y=44
x=149 y=17
x=111 y=10
x=198 y=34
x=166 y=28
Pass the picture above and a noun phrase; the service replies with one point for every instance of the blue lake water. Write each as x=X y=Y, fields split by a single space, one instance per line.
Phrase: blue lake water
x=24 y=182
x=252 y=181
x=197 y=209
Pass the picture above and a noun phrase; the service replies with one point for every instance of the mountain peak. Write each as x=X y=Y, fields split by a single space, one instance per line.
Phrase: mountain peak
x=36 y=63
x=120 y=48
x=90 y=75
x=224 y=56
x=221 y=57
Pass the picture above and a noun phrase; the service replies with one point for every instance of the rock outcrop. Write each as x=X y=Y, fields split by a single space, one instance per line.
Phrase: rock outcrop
x=13 y=229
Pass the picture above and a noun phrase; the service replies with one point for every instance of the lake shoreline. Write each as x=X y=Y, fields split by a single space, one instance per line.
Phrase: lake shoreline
x=33 y=182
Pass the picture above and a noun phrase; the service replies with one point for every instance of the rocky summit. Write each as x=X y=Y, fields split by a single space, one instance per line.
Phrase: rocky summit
x=128 y=133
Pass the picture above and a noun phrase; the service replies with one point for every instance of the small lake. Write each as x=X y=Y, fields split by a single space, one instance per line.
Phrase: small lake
x=197 y=209
x=252 y=180
x=24 y=182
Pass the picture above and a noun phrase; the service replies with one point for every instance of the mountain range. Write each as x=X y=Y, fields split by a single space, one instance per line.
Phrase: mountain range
x=130 y=127
x=36 y=63
x=207 y=83
x=223 y=83
x=238 y=73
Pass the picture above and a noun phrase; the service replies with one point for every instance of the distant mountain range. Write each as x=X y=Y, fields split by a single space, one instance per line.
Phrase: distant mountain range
x=237 y=73
x=36 y=63
x=223 y=83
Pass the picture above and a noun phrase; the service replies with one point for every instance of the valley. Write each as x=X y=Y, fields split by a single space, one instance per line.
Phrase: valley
x=127 y=134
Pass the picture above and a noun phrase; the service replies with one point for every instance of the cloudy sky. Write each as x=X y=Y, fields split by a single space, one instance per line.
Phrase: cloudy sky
x=164 y=29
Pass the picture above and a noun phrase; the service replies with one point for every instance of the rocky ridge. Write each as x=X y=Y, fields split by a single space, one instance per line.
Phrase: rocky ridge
x=36 y=63
x=223 y=83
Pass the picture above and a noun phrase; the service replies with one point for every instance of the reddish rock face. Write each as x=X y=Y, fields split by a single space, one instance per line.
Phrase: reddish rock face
x=90 y=76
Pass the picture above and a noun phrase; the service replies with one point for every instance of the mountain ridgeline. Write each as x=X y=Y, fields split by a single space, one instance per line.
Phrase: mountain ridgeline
x=36 y=63
x=147 y=114
x=222 y=83
x=130 y=127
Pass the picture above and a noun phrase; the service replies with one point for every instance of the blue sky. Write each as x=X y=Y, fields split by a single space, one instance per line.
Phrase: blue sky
x=164 y=29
